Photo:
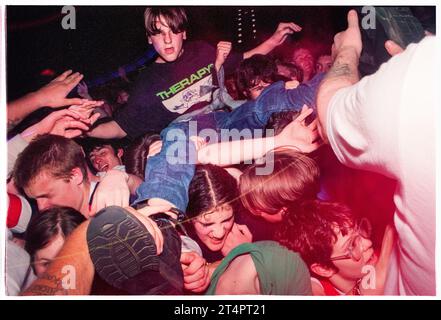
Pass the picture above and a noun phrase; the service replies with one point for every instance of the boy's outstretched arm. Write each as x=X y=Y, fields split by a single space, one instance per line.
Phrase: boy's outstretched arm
x=51 y=95
x=283 y=30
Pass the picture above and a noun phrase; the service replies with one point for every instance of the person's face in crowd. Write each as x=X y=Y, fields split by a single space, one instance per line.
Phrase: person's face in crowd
x=355 y=249
x=303 y=58
x=212 y=228
x=167 y=44
x=324 y=63
x=50 y=191
x=44 y=256
x=104 y=158
x=230 y=84
x=254 y=92
x=123 y=97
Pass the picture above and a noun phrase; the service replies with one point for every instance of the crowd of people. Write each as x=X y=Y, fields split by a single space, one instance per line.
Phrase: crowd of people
x=222 y=173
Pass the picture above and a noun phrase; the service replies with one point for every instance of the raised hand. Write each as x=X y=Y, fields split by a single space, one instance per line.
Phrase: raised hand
x=66 y=123
x=51 y=95
x=54 y=93
x=350 y=38
x=283 y=30
x=71 y=128
x=239 y=234
x=85 y=108
x=299 y=135
x=222 y=52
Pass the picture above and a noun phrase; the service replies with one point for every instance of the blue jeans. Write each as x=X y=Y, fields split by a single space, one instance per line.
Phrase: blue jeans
x=169 y=180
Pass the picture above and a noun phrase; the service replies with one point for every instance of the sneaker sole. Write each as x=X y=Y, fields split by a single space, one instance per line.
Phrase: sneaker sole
x=120 y=247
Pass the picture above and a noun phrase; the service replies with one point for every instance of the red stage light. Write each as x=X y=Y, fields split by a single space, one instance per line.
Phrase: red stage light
x=47 y=73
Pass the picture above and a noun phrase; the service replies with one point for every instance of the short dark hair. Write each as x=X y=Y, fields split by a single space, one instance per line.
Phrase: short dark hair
x=294 y=70
x=175 y=17
x=92 y=144
x=255 y=69
x=50 y=223
x=54 y=153
x=309 y=229
x=135 y=156
x=279 y=120
x=211 y=187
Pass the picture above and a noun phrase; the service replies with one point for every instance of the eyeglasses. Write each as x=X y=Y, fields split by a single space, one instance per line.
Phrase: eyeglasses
x=355 y=250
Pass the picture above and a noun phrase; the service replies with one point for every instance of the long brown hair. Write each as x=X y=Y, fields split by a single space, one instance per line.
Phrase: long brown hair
x=294 y=178
x=210 y=188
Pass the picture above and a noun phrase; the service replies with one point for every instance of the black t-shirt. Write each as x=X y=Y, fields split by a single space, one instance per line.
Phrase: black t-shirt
x=164 y=91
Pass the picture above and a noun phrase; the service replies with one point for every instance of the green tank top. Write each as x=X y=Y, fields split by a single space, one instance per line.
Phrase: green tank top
x=280 y=271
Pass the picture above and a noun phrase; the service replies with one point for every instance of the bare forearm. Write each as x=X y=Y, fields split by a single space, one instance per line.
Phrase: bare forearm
x=108 y=130
x=263 y=48
x=233 y=152
x=343 y=73
x=20 y=108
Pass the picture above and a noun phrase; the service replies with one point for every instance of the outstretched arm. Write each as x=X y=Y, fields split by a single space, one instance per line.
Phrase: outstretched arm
x=69 y=123
x=344 y=72
x=107 y=130
x=51 y=95
x=283 y=30
x=297 y=134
